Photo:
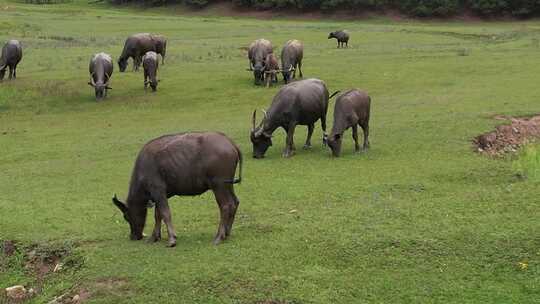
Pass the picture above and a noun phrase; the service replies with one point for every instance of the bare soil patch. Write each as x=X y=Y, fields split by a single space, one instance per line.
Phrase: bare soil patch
x=508 y=138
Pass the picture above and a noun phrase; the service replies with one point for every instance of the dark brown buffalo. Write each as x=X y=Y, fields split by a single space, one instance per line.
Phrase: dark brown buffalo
x=291 y=59
x=272 y=69
x=150 y=66
x=342 y=37
x=101 y=69
x=302 y=102
x=257 y=52
x=11 y=56
x=137 y=45
x=182 y=164
x=351 y=110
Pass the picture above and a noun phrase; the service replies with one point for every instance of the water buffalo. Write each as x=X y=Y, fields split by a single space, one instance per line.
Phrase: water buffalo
x=351 y=110
x=342 y=37
x=150 y=65
x=182 y=164
x=11 y=56
x=101 y=69
x=298 y=103
x=258 y=50
x=272 y=68
x=137 y=45
x=291 y=58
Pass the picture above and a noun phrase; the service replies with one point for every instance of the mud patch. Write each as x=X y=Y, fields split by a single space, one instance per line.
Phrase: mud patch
x=508 y=138
x=37 y=261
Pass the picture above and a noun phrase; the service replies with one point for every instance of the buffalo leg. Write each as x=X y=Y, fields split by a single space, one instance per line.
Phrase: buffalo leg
x=311 y=127
x=300 y=69
x=323 y=127
x=165 y=212
x=355 y=137
x=156 y=234
x=226 y=206
x=10 y=72
x=289 y=144
x=15 y=72
x=365 y=128
x=145 y=79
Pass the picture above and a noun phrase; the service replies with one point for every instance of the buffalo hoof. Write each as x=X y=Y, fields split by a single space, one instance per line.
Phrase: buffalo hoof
x=307 y=147
x=218 y=240
x=172 y=242
x=288 y=154
x=154 y=238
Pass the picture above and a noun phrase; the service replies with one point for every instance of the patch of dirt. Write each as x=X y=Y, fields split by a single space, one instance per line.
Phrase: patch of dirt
x=508 y=138
x=38 y=260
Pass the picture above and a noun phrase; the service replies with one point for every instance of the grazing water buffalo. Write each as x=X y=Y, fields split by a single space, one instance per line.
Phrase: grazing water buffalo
x=258 y=50
x=272 y=68
x=101 y=69
x=351 y=110
x=291 y=58
x=150 y=65
x=137 y=45
x=182 y=164
x=298 y=103
x=342 y=37
x=11 y=56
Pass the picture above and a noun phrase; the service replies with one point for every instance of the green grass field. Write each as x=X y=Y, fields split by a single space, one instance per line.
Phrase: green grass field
x=420 y=218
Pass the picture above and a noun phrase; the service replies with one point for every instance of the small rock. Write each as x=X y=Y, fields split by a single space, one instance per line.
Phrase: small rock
x=293 y=211
x=76 y=299
x=17 y=292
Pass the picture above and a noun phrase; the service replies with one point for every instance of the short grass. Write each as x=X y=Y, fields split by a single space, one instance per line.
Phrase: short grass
x=420 y=218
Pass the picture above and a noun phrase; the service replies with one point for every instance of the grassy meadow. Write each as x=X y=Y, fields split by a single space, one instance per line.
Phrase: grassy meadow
x=419 y=218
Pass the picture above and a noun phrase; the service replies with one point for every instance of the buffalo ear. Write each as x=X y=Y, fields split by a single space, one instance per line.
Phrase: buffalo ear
x=120 y=205
x=108 y=88
x=90 y=84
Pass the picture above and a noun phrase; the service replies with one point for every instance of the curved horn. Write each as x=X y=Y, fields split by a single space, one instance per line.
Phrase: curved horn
x=253 y=119
x=92 y=82
x=291 y=68
x=119 y=204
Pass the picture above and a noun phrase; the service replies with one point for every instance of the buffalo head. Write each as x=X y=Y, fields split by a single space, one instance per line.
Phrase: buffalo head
x=287 y=72
x=334 y=142
x=258 y=72
x=122 y=64
x=100 y=88
x=332 y=35
x=261 y=140
x=135 y=216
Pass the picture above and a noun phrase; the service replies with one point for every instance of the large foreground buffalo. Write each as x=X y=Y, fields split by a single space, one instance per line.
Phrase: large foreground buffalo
x=352 y=109
x=11 y=56
x=101 y=69
x=257 y=52
x=342 y=38
x=137 y=45
x=182 y=164
x=298 y=103
x=291 y=59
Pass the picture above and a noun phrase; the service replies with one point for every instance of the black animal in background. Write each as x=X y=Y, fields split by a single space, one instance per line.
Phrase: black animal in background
x=137 y=45
x=11 y=56
x=150 y=65
x=352 y=109
x=101 y=69
x=302 y=102
x=182 y=164
x=257 y=52
x=291 y=59
x=342 y=37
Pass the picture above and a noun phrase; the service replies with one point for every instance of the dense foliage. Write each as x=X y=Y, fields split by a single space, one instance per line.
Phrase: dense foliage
x=419 y=8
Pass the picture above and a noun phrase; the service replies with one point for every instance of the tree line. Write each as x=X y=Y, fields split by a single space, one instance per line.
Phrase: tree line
x=416 y=8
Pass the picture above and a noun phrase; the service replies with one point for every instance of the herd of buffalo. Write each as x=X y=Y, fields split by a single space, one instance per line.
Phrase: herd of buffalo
x=193 y=163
